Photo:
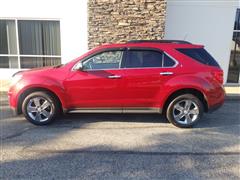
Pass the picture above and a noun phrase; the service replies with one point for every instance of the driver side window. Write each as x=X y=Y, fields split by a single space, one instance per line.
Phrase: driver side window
x=104 y=60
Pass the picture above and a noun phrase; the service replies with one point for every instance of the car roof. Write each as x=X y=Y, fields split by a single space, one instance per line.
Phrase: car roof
x=162 y=45
x=160 y=41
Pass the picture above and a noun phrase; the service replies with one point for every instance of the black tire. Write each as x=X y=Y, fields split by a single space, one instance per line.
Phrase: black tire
x=53 y=107
x=181 y=99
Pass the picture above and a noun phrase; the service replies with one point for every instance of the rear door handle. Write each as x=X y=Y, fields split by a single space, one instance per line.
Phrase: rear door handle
x=166 y=73
x=114 y=77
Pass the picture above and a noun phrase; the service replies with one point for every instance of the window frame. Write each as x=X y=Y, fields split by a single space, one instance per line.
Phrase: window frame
x=123 y=60
x=18 y=55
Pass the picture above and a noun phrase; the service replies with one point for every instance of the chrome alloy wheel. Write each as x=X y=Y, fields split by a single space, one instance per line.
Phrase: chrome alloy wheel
x=185 y=111
x=39 y=109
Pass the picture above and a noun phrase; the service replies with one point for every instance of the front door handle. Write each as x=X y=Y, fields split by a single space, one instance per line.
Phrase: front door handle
x=114 y=77
x=166 y=73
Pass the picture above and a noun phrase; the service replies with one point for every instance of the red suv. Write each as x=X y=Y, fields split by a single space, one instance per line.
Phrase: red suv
x=176 y=78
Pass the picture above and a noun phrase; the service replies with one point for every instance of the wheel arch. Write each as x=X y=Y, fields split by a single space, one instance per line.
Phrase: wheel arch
x=30 y=90
x=199 y=94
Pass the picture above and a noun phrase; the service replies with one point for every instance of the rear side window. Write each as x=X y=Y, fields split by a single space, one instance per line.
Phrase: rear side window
x=200 y=55
x=143 y=58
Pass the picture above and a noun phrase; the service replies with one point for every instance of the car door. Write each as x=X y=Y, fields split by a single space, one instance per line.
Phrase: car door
x=144 y=76
x=99 y=83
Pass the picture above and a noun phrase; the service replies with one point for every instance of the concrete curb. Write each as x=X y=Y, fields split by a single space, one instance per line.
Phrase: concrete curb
x=232 y=97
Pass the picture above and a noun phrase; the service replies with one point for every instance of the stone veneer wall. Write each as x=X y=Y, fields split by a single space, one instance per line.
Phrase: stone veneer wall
x=114 y=21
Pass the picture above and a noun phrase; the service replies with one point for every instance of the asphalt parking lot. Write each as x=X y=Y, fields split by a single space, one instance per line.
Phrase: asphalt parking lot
x=113 y=146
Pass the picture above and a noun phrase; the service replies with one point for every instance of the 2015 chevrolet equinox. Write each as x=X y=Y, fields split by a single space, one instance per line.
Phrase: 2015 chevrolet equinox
x=176 y=78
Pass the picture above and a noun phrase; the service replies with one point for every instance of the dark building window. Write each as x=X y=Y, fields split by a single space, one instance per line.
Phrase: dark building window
x=29 y=43
x=234 y=63
x=8 y=45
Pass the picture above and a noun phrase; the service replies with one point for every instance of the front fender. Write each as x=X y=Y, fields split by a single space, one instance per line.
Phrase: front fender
x=42 y=82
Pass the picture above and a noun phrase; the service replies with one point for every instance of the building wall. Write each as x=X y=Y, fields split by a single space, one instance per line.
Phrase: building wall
x=73 y=23
x=123 y=20
x=203 y=22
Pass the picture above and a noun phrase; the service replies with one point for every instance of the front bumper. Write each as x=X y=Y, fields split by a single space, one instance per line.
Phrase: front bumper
x=14 y=111
x=12 y=99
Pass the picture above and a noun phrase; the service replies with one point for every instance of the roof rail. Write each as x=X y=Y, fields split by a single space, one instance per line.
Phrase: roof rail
x=159 y=41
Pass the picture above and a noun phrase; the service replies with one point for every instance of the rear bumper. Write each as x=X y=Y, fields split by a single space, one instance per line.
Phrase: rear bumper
x=216 y=99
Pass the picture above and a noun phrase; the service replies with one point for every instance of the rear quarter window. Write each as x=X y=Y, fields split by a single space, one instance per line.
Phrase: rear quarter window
x=200 y=55
x=168 y=62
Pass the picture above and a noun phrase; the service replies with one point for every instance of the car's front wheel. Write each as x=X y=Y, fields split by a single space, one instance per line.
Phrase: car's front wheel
x=184 y=111
x=40 y=108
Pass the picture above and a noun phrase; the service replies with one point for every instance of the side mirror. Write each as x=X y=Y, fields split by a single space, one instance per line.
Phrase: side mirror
x=79 y=66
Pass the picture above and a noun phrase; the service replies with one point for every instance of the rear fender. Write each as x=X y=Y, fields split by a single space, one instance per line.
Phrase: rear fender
x=187 y=82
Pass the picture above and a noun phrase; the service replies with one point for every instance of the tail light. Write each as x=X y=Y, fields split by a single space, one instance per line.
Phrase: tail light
x=218 y=75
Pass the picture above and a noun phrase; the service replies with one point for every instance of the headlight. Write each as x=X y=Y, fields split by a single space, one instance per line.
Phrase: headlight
x=15 y=78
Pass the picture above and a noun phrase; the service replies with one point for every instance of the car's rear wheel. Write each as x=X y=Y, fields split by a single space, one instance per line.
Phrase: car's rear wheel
x=40 y=108
x=184 y=111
